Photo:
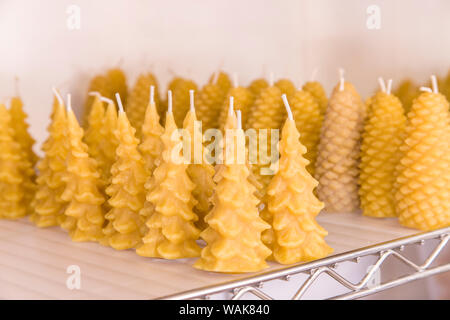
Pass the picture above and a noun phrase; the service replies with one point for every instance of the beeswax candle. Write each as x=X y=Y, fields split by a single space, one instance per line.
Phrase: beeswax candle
x=108 y=141
x=286 y=86
x=138 y=100
x=407 y=91
x=223 y=80
x=181 y=99
x=292 y=205
x=201 y=174
x=308 y=119
x=233 y=235
x=93 y=136
x=257 y=85
x=118 y=83
x=100 y=84
x=209 y=101
x=125 y=226
x=82 y=190
x=382 y=136
x=318 y=92
x=12 y=203
x=423 y=194
x=171 y=230
x=47 y=202
x=339 y=150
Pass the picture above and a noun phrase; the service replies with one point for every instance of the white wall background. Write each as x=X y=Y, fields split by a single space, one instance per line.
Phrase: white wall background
x=194 y=38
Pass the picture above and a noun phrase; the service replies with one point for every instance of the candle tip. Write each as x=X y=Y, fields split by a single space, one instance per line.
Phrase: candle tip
x=169 y=101
x=69 y=102
x=107 y=100
x=382 y=84
x=271 y=79
x=152 y=94
x=239 y=119
x=389 y=86
x=426 y=89
x=434 y=84
x=58 y=96
x=288 y=108
x=119 y=102
x=341 y=79
x=95 y=93
x=231 y=107
x=191 y=101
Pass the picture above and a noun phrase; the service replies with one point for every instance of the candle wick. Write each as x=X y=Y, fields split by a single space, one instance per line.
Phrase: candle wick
x=152 y=94
x=389 y=86
x=95 y=93
x=341 y=79
x=169 y=101
x=271 y=79
x=69 y=102
x=235 y=80
x=434 y=84
x=425 y=89
x=191 y=101
x=382 y=84
x=58 y=96
x=231 y=108
x=119 y=102
x=215 y=76
x=107 y=100
x=288 y=108
x=239 y=119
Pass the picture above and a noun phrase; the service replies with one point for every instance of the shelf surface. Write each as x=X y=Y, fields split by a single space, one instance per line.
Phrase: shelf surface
x=34 y=262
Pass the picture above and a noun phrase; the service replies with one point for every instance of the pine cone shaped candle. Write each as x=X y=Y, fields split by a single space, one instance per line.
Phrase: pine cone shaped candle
x=20 y=127
x=82 y=191
x=208 y=105
x=292 y=205
x=257 y=85
x=138 y=100
x=318 y=92
x=382 y=136
x=125 y=226
x=286 y=87
x=233 y=235
x=223 y=80
x=308 y=119
x=12 y=197
x=171 y=230
x=48 y=205
x=339 y=150
x=118 y=83
x=423 y=195
x=243 y=100
x=199 y=171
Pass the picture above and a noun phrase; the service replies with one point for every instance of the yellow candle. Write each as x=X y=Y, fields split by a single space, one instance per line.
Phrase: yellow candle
x=82 y=190
x=100 y=84
x=382 y=136
x=407 y=91
x=223 y=80
x=138 y=100
x=12 y=197
x=93 y=136
x=257 y=85
x=47 y=202
x=339 y=150
x=292 y=205
x=125 y=226
x=181 y=99
x=233 y=235
x=243 y=100
x=171 y=230
x=423 y=193
x=318 y=92
x=209 y=101
x=109 y=142
x=118 y=83
x=286 y=86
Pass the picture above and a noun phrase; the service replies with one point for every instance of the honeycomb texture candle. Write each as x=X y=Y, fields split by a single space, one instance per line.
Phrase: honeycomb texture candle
x=256 y=86
x=292 y=205
x=423 y=195
x=233 y=235
x=286 y=86
x=20 y=127
x=208 y=105
x=199 y=171
x=47 y=202
x=171 y=230
x=308 y=119
x=243 y=100
x=125 y=226
x=382 y=136
x=138 y=100
x=82 y=188
x=12 y=197
x=339 y=151
x=318 y=92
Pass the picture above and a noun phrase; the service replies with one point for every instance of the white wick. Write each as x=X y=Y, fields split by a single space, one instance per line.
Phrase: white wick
x=119 y=102
x=239 y=119
x=426 y=89
x=69 y=102
x=235 y=80
x=389 y=86
x=191 y=101
x=152 y=94
x=434 y=84
x=231 y=108
x=215 y=77
x=169 y=101
x=288 y=108
x=382 y=84
x=95 y=93
x=341 y=79
x=58 y=96
x=271 y=79
x=107 y=100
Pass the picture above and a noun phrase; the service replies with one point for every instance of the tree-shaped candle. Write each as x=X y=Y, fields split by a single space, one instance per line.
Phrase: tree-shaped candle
x=423 y=193
x=233 y=235
x=308 y=119
x=292 y=205
x=93 y=136
x=171 y=230
x=382 y=136
x=47 y=202
x=138 y=100
x=12 y=197
x=125 y=226
x=82 y=191
x=199 y=171
x=337 y=165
